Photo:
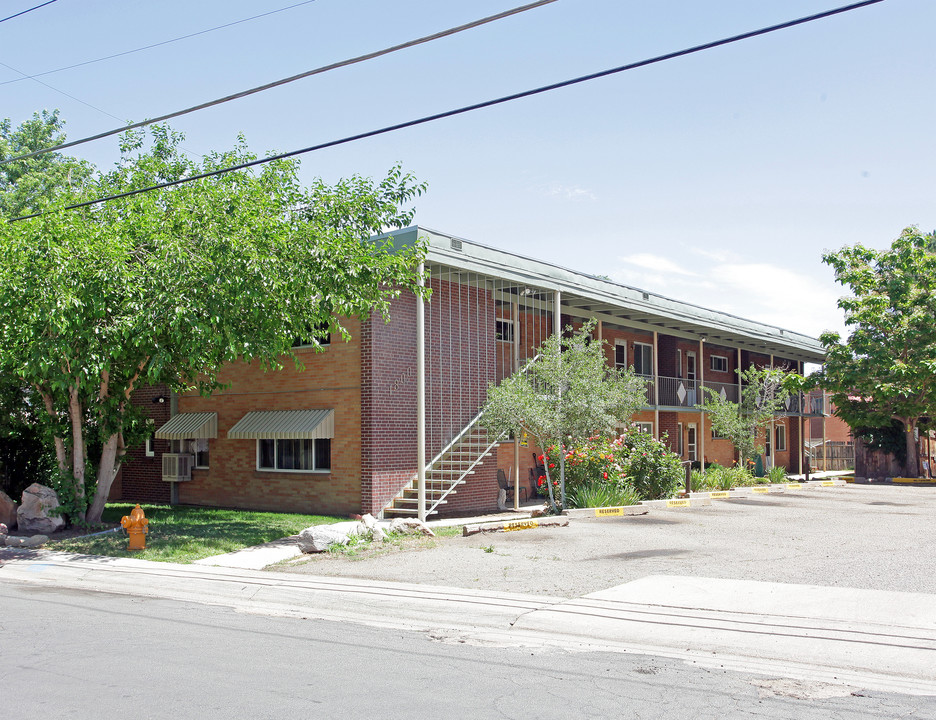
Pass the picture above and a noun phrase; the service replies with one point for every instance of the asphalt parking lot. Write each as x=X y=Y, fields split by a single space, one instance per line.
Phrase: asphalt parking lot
x=860 y=536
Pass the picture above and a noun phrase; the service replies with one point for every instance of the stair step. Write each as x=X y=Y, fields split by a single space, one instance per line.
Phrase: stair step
x=413 y=501
x=448 y=472
x=407 y=511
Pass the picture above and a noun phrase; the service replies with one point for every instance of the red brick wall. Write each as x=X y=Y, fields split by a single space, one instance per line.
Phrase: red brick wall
x=140 y=477
x=329 y=380
x=460 y=362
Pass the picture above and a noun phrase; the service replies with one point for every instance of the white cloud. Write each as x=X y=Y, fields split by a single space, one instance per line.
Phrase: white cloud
x=765 y=292
x=566 y=192
x=657 y=263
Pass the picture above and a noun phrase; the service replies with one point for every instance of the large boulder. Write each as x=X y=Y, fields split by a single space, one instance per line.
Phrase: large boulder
x=7 y=510
x=319 y=538
x=34 y=513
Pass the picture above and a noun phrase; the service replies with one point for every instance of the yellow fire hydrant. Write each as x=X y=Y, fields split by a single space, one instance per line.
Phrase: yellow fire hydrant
x=135 y=524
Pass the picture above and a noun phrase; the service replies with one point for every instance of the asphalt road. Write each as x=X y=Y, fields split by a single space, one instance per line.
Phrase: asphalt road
x=76 y=654
x=858 y=536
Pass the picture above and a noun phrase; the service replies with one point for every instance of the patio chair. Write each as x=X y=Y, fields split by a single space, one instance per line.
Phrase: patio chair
x=504 y=485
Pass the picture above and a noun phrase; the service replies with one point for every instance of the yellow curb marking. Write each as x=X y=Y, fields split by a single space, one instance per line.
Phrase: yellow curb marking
x=605 y=511
x=677 y=503
x=719 y=494
x=795 y=486
x=827 y=483
x=520 y=525
x=760 y=490
x=910 y=481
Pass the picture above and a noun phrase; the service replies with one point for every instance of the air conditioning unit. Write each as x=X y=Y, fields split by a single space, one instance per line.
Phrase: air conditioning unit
x=177 y=467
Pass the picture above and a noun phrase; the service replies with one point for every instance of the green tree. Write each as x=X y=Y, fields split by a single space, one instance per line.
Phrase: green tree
x=763 y=395
x=168 y=286
x=885 y=370
x=27 y=186
x=565 y=395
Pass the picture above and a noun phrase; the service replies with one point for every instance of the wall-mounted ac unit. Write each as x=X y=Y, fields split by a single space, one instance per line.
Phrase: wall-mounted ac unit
x=177 y=467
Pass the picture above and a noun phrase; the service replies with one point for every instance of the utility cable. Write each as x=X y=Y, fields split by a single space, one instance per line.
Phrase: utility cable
x=155 y=45
x=62 y=92
x=23 y=12
x=293 y=78
x=469 y=108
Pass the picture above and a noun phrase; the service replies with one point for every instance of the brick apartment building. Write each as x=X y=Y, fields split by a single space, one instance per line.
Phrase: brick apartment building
x=343 y=434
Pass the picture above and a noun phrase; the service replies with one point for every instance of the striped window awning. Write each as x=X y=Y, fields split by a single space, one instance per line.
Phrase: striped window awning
x=284 y=425
x=190 y=426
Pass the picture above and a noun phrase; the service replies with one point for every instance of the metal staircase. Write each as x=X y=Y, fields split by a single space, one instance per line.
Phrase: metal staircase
x=447 y=470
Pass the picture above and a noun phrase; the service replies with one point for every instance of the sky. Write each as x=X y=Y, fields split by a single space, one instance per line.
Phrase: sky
x=717 y=178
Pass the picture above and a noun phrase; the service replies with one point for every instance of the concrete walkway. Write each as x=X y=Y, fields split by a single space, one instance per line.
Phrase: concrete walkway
x=865 y=638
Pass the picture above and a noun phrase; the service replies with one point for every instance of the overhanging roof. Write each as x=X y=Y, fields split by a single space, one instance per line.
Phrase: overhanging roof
x=190 y=426
x=284 y=425
x=587 y=296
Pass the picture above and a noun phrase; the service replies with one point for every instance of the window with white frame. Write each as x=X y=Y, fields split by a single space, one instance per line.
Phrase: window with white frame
x=620 y=354
x=780 y=431
x=643 y=359
x=645 y=427
x=294 y=455
x=504 y=330
x=679 y=439
x=718 y=363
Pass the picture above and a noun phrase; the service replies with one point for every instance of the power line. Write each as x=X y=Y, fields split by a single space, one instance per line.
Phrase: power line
x=293 y=78
x=470 y=108
x=23 y=12
x=62 y=92
x=155 y=45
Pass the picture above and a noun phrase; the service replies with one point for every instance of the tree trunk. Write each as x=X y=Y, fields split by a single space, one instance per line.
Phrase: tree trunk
x=912 y=466
x=61 y=453
x=78 y=446
x=107 y=471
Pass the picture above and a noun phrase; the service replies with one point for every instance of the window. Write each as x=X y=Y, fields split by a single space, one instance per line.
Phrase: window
x=315 y=335
x=294 y=455
x=679 y=439
x=643 y=359
x=504 y=330
x=715 y=435
x=781 y=438
x=198 y=448
x=719 y=363
x=620 y=355
x=645 y=427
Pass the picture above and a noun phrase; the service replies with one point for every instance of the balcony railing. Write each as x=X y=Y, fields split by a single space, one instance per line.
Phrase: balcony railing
x=684 y=393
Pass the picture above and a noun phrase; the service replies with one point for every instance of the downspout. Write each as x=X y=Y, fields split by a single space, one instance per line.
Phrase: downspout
x=516 y=366
x=656 y=387
x=701 y=398
x=421 y=398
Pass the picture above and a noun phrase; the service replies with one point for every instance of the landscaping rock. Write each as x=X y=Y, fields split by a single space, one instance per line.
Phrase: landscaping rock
x=7 y=510
x=4 y=530
x=369 y=521
x=33 y=514
x=35 y=541
x=377 y=533
x=410 y=526
x=319 y=538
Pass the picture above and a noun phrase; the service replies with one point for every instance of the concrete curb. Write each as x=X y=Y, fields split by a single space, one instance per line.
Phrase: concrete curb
x=704 y=499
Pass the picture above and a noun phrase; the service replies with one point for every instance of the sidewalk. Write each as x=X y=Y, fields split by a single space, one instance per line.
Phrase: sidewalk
x=869 y=639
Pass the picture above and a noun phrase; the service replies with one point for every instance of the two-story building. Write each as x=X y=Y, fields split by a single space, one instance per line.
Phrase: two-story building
x=365 y=421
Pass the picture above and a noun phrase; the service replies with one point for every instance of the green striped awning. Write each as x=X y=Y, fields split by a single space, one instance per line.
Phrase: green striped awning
x=284 y=425
x=190 y=426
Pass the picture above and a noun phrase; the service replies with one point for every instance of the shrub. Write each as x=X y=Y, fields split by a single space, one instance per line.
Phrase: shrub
x=777 y=474
x=601 y=493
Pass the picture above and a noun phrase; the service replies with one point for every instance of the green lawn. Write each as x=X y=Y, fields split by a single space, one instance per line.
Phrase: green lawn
x=185 y=534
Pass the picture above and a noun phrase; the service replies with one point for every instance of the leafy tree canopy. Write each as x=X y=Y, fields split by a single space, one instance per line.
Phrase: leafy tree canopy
x=763 y=395
x=565 y=395
x=167 y=286
x=886 y=368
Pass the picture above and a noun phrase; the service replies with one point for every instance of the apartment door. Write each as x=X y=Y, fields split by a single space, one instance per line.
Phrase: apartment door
x=691 y=441
x=691 y=378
